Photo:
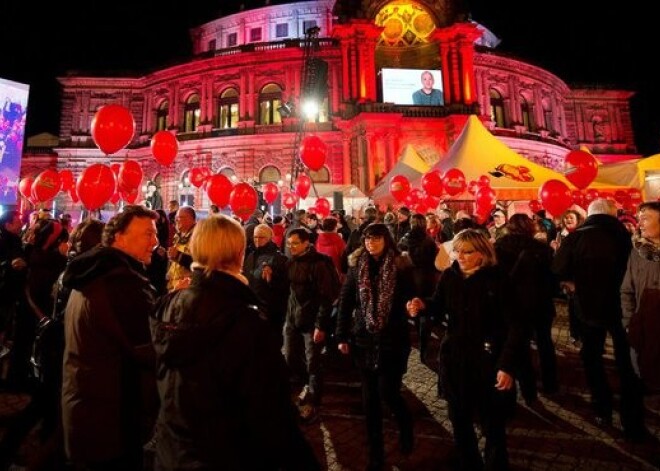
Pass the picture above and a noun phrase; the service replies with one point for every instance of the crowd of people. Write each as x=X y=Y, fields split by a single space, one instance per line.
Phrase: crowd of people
x=200 y=343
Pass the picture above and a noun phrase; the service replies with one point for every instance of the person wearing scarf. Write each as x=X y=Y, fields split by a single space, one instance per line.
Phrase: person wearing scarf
x=479 y=350
x=372 y=318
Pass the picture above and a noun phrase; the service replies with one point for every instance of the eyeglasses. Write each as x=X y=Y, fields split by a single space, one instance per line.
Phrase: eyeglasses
x=374 y=238
x=293 y=244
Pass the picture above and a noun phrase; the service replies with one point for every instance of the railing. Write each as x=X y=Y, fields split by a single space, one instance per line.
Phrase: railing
x=298 y=43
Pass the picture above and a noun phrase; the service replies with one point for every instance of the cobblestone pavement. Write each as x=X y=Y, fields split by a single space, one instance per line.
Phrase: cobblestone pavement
x=558 y=433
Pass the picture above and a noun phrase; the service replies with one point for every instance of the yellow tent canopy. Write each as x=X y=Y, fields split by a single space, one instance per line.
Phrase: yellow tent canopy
x=477 y=152
x=643 y=174
x=410 y=165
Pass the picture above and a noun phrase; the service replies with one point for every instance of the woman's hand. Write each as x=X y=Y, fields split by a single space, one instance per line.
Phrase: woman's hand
x=414 y=306
x=343 y=348
x=504 y=381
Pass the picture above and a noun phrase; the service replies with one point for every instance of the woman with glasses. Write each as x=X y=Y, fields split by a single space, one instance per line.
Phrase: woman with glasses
x=372 y=317
x=478 y=351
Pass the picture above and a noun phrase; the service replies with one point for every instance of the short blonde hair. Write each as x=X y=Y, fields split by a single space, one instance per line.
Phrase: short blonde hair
x=479 y=242
x=218 y=243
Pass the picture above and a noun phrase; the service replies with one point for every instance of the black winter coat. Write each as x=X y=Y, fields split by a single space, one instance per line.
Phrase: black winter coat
x=272 y=296
x=484 y=333
x=223 y=384
x=595 y=257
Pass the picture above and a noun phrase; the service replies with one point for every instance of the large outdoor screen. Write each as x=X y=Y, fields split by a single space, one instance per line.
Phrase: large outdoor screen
x=412 y=87
x=13 y=109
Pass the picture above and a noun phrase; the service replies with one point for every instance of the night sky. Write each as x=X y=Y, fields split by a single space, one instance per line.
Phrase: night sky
x=581 y=41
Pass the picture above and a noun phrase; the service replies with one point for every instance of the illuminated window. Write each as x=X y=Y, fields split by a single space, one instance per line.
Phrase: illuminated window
x=186 y=193
x=255 y=34
x=228 y=172
x=308 y=24
x=282 y=30
x=228 y=109
x=320 y=176
x=161 y=115
x=270 y=99
x=497 y=108
x=191 y=113
x=405 y=24
x=269 y=174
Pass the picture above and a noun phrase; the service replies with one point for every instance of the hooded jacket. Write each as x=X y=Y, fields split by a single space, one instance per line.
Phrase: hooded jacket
x=108 y=391
x=223 y=384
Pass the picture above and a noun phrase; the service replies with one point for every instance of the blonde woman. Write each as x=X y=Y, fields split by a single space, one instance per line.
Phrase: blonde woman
x=223 y=384
x=478 y=353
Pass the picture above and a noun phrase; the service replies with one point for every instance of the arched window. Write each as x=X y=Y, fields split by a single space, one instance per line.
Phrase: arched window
x=229 y=173
x=547 y=116
x=228 y=109
x=191 y=113
x=497 y=108
x=161 y=115
x=270 y=99
x=269 y=174
x=526 y=114
x=320 y=176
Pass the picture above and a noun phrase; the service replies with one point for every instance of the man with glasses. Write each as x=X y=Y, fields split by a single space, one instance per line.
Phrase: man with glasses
x=307 y=318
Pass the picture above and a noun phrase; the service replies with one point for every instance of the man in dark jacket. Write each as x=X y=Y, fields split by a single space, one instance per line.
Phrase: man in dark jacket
x=307 y=317
x=591 y=262
x=266 y=271
x=109 y=392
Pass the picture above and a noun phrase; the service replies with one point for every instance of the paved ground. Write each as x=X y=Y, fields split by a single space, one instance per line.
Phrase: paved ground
x=556 y=434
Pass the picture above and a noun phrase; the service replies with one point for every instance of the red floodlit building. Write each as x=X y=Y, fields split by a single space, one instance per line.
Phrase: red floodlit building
x=235 y=105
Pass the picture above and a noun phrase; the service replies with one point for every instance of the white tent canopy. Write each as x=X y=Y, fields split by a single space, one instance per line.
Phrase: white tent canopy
x=410 y=165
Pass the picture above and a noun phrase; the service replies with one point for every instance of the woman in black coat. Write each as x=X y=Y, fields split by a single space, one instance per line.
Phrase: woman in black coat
x=477 y=354
x=222 y=381
x=372 y=316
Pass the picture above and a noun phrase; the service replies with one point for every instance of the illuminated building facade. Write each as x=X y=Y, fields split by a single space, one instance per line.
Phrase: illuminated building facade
x=233 y=105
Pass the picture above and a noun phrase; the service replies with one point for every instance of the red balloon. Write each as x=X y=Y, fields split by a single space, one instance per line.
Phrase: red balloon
x=129 y=196
x=66 y=177
x=270 y=192
x=25 y=187
x=590 y=195
x=96 y=185
x=535 y=206
x=578 y=198
x=581 y=168
x=635 y=197
x=243 y=200
x=303 y=184
x=198 y=176
x=114 y=199
x=483 y=180
x=555 y=196
x=414 y=197
x=454 y=181
x=46 y=185
x=313 y=152
x=432 y=183
x=164 y=147
x=115 y=169
x=130 y=175
x=322 y=207
x=399 y=187
x=289 y=200
x=485 y=198
x=431 y=202
x=112 y=128
x=218 y=188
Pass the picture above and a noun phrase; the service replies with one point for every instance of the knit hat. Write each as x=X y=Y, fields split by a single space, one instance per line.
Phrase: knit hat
x=404 y=211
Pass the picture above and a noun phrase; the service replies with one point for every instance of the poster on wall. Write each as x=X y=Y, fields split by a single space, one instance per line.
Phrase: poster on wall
x=13 y=110
x=418 y=87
